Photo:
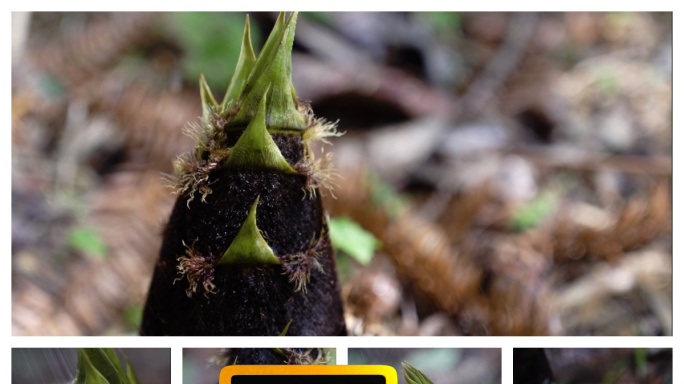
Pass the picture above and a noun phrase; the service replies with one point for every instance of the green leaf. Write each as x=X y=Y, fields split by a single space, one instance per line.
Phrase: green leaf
x=209 y=103
x=88 y=241
x=413 y=375
x=242 y=69
x=98 y=367
x=114 y=360
x=102 y=366
x=273 y=69
x=533 y=213
x=350 y=238
x=287 y=326
x=210 y=43
x=80 y=370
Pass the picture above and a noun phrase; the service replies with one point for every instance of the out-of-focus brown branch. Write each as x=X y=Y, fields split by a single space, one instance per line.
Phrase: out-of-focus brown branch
x=521 y=27
x=577 y=160
x=347 y=69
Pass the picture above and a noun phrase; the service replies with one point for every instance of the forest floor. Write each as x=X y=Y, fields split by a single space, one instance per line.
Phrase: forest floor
x=515 y=168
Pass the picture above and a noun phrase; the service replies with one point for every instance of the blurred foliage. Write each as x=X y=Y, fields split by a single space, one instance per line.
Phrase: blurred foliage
x=607 y=82
x=615 y=372
x=318 y=17
x=444 y=23
x=533 y=213
x=386 y=197
x=640 y=360
x=88 y=241
x=133 y=316
x=348 y=236
x=211 y=44
x=51 y=86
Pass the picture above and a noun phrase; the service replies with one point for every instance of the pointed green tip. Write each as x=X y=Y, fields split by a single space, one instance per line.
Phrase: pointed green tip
x=287 y=326
x=249 y=247
x=242 y=69
x=279 y=351
x=209 y=104
x=273 y=68
x=130 y=372
x=255 y=149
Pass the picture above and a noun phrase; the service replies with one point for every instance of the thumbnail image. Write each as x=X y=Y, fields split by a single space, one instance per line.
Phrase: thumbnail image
x=592 y=365
x=91 y=365
x=435 y=365
x=203 y=365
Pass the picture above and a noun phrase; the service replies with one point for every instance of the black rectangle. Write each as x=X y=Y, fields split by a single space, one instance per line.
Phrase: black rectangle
x=308 y=379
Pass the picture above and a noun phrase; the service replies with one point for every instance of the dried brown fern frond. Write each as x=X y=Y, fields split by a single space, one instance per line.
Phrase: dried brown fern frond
x=128 y=214
x=89 y=53
x=634 y=225
x=149 y=119
x=421 y=252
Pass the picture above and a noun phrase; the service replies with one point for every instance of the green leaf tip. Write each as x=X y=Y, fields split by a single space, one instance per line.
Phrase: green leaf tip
x=272 y=68
x=130 y=372
x=209 y=104
x=413 y=375
x=102 y=366
x=255 y=149
x=249 y=247
x=287 y=326
x=283 y=333
x=242 y=69
x=349 y=237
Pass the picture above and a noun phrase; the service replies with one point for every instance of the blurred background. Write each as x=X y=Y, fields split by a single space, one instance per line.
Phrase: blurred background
x=501 y=173
x=441 y=366
x=58 y=365
x=203 y=365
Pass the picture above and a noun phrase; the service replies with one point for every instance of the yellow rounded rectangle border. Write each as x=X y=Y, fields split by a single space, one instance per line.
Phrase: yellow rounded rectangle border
x=256 y=374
